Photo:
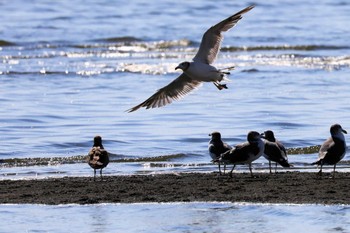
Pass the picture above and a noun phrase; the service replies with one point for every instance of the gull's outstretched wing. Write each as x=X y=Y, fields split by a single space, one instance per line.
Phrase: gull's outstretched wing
x=173 y=91
x=211 y=41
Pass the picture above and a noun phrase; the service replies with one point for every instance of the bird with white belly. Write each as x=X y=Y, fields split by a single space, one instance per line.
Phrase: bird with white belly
x=333 y=149
x=199 y=70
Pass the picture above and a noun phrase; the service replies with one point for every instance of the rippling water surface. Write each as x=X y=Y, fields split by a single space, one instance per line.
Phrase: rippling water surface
x=69 y=71
x=184 y=217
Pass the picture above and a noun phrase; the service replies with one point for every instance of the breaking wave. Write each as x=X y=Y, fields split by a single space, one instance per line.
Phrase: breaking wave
x=114 y=158
x=134 y=55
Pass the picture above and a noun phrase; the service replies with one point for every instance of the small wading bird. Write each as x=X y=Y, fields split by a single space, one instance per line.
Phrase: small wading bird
x=274 y=150
x=333 y=149
x=217 y=147
x=244 y=153
x=199 y=70
x=98 y=157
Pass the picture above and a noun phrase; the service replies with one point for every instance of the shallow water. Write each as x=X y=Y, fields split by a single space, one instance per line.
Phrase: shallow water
x=69 y=71
x=184 y=217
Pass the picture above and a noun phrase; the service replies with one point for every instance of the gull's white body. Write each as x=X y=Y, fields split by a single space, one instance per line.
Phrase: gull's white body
x=199 y=70
x=203 y=72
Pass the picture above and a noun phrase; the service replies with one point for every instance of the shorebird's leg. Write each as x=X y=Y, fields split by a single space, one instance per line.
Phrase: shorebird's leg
x=334 y=170
x=232 y=170
x=276 y=168
x=94 y=174
x=220 y=86
x=270 y=167
x=320 y=172
x=250 y=169
x=224 y=168
x=219 y=167
x=101 y=174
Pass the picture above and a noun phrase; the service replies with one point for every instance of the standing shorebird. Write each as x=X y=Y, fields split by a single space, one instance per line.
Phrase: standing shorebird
x=217 y=147
x=199 y=70
x=274 y=150
x=333 y=149
x=244 y=153
x=98 y=157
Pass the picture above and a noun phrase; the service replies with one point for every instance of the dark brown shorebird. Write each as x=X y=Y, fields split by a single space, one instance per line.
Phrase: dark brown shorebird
x=274 y=150
x=244 y=153
x=333 y=149
x=217 y=147
x=98 y=157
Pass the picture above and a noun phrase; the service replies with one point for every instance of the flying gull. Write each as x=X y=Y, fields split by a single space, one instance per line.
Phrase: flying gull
x=274 y=150
x=333 y=149
x=199 y=70
x=98 y=157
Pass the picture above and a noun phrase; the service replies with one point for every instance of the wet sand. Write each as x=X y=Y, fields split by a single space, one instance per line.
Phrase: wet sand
x=288 y=187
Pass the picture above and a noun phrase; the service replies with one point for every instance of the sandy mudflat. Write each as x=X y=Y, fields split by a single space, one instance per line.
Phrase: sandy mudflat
x=289 y=187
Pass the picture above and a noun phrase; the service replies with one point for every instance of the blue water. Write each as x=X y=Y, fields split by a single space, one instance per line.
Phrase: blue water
x=69 y=71
x=184 y=217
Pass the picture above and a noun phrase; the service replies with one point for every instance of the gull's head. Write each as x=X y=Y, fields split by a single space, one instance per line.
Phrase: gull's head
x=215 y=135
x=183 y=66
x=253 y=137
x=97 y=141
x=336 y=129
x=269 y=135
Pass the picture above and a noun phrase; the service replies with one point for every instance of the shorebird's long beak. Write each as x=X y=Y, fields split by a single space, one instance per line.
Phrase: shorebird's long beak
x=344 y=131
x=177 y=67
